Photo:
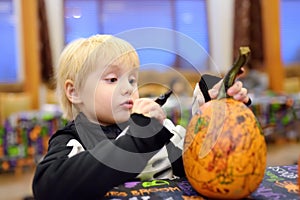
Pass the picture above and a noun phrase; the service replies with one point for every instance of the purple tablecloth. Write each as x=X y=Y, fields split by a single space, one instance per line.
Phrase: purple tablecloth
x=280 y=182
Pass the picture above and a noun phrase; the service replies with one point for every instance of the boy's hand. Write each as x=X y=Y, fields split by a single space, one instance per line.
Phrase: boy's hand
x=148 y=108
x=237 y=91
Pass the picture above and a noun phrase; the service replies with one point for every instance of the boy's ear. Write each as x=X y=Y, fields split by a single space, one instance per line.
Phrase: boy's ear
x=71 y=92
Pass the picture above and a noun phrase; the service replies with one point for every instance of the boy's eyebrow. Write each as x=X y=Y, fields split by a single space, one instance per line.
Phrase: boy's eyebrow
x=111 y=68
x=116 y=67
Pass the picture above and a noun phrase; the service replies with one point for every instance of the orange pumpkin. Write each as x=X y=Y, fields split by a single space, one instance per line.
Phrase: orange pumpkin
x=225 y=151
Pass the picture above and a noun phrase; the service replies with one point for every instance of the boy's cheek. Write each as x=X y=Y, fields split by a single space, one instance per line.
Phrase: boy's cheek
x=135 y=95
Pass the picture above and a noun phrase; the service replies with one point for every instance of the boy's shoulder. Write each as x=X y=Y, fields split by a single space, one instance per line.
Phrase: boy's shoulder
x=65 y=134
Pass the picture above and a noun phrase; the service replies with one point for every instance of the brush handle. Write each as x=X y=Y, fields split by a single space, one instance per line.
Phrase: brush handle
x=162 y=99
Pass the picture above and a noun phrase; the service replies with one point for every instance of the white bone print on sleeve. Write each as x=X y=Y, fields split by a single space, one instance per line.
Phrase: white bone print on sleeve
x=77 y=147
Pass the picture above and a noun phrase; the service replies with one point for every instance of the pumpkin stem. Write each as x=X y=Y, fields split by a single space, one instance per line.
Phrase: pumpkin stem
x=229 y=78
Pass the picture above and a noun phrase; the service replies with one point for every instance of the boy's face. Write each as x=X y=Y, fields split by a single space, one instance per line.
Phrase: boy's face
x=109 y=93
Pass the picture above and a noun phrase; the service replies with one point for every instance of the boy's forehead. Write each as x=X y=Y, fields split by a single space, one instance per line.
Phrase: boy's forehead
x=116 y=61
x=123 y=62
x=117 y=68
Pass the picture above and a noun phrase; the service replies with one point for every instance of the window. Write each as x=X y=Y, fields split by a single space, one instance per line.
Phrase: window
x=174 y=28
x=10 y=72
x=290 y=31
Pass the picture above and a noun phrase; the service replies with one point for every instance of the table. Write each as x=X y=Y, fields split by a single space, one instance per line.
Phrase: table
x=24 y=137
x=280 y=182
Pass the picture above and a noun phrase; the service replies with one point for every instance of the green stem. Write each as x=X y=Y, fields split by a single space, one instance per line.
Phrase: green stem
x=231 y=75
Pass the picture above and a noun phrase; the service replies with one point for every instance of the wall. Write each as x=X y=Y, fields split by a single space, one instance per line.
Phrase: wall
x=56 y=26
x=220 y=16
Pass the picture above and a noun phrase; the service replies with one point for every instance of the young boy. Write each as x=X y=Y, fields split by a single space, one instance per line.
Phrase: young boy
x=113 y=135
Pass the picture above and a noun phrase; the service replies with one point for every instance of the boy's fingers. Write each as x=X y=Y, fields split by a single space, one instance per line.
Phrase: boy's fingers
x=213 y=93
x=149 y=108
x=241 y=72
x=235 y=88
x=242 y=95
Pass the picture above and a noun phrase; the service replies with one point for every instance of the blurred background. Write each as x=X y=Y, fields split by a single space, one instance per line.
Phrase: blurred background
x=177 y=41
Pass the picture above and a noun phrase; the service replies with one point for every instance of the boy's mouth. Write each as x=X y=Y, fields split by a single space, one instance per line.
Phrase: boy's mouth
x=128 y=104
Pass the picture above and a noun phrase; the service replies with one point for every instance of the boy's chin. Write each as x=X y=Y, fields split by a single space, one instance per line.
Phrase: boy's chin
x=122 y=119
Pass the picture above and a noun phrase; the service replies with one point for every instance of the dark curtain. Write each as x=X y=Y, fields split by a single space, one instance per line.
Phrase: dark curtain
x=45 y=47
x=248 y=30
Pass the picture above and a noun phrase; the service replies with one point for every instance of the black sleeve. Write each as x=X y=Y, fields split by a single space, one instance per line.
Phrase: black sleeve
x=175 y=157
x=91 y=173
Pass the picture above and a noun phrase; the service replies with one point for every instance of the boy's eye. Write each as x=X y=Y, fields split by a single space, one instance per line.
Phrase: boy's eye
x=113 y=80
x=132 y=80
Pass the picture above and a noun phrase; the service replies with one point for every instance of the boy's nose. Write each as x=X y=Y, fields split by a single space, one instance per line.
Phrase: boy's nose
x=126 y=87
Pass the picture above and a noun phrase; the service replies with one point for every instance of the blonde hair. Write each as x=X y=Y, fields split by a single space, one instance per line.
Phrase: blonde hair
x=85 y=55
